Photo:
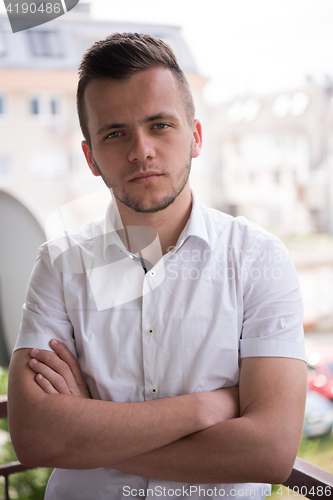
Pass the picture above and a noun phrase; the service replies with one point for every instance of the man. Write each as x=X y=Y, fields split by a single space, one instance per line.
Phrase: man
x=194 y=382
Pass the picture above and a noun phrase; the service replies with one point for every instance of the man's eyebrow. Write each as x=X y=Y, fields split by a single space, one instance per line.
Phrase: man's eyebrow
x=147 y=119
x=160 y=116
x=109 y=126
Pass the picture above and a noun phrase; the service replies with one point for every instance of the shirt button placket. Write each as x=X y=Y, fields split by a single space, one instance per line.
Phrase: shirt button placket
x=148 y=342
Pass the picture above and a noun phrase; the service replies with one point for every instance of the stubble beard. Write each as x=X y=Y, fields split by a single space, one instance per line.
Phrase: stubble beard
x=137 y=205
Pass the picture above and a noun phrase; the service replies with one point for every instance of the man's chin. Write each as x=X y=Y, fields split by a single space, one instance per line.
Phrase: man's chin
x=147 y=206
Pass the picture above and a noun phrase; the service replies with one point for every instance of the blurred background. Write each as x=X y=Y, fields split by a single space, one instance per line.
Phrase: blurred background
x=262 y=77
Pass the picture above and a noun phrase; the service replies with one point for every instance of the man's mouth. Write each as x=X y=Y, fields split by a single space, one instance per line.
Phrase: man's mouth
x=145 y=177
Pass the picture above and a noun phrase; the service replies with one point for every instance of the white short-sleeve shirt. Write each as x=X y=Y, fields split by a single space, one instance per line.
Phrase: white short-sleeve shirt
x=228 y=290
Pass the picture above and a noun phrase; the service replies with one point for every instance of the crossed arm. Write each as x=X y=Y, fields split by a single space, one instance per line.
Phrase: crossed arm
x=198 y=438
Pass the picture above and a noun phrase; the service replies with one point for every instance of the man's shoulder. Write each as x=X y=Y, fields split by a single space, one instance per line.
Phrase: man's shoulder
x=237 y=229
x=85 y=233
x=63 y=250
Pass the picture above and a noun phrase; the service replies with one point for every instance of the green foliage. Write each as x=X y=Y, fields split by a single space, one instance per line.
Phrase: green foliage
x=317 y=451
x=3 y=380
x=3 y=390
x=27 y=485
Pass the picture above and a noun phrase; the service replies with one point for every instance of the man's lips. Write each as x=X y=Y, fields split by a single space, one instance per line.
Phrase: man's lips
x=146 y=177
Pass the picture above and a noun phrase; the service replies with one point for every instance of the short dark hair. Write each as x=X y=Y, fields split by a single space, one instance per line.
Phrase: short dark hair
x=120 y=56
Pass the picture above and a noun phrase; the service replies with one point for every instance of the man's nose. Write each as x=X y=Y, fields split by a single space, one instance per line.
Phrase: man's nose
x=141 y=147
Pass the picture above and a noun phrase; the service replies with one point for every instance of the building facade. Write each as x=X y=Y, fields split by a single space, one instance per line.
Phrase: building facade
x=273 y=159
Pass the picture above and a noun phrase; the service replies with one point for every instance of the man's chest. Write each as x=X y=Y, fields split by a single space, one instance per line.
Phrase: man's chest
x=181 y=337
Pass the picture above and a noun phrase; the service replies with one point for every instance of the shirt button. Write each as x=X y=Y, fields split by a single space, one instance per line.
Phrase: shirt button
x=153 y=390
x=152 y=274
x=151 y=331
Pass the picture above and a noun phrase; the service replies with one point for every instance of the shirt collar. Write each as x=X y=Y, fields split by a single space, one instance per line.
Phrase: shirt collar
x=114 y=235
x=195 y=226
x=112 y=224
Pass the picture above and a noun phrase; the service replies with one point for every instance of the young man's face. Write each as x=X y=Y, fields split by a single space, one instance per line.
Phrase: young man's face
x=141 y=141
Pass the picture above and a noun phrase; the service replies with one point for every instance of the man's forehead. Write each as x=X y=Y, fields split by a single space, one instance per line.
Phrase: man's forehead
x=159 y=77
x=156 y=90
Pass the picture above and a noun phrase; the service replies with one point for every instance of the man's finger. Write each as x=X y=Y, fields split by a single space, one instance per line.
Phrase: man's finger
x=53 y=377
x=45 y=385
x=56 y=371
x=61 y=350
x=64 y=364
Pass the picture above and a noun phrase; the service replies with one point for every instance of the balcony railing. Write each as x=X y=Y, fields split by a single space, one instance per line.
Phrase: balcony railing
x=306 y=479
x=309 y=481
x=7 y=469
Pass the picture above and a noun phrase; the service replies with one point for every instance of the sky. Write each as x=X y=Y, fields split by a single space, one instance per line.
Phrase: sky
x=242 y=46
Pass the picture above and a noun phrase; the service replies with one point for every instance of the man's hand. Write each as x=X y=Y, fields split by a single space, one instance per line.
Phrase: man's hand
x=58 y=372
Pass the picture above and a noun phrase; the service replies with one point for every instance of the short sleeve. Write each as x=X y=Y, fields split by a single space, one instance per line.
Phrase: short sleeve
x=273 y=307
x=44 y=312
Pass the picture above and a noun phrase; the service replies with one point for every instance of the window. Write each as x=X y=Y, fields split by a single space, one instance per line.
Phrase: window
x=54 y=106
x=44 y=107
x=4 y=166
x=2 y=45
x=44 y=43
x=277 y=177
x=301 y=193
x=2 y=105
x=252 y=177
x=34 y=106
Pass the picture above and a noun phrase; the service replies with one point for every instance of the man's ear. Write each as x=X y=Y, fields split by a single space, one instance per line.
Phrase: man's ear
x=89 y=157
x=197 y=139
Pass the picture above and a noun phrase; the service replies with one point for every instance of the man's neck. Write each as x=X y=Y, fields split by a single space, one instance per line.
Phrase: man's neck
x=168 y=223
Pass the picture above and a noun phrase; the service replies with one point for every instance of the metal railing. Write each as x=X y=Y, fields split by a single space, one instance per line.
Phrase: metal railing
x=309 y=481
x=306 y=479
x=12 y=467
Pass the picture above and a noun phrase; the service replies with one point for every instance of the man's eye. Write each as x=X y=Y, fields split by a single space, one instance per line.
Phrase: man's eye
x=161 y=126
x=115 y=134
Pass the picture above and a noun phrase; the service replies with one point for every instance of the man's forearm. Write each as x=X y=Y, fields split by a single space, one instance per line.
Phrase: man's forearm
x=234 y=451
x=259 y=446
x=71 y=432
x=161 y=438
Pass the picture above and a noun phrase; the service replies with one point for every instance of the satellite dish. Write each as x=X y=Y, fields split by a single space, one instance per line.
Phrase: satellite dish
x=21 y=235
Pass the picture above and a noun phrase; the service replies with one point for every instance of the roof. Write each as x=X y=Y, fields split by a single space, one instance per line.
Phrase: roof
x=59 y=45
